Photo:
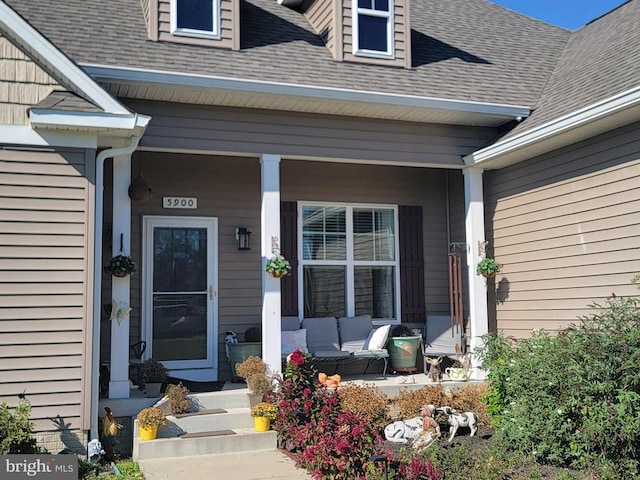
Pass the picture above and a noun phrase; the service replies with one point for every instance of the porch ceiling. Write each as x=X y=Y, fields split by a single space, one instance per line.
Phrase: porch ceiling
x=190 y=89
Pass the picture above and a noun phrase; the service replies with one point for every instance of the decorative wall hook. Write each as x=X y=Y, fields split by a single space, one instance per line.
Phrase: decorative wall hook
x=482 y=248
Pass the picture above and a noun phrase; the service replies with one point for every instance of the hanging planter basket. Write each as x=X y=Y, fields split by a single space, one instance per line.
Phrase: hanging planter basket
x=278 y=266
x=120 y=266
x=488 y=275
x=277 y=274
x=139 y=190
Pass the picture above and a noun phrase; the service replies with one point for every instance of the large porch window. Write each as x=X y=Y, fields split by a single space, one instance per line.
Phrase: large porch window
x=349 y=260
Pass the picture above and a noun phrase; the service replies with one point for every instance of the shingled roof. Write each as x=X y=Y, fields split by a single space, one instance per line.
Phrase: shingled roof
x=462 y=49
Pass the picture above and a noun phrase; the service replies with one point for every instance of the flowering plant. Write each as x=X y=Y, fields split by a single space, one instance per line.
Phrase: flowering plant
x=120 y=266
x=487 y=267
x=278 y=266
x=264 y=409
x=300 y=369
x=151 y=417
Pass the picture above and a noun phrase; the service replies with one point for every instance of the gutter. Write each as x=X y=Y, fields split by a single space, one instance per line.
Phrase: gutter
x=556 y=127
x=141 y=122
x=107 y=73
x=47 y=118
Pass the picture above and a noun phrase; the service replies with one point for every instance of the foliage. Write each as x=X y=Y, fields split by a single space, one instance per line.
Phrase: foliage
x=179 y=402
x=151 y=417
x=573 y=398
x=300 y=370
x=127 y=470
x=264 y=409
x=402 y=331
x=120 y=265
x=487 y=267
x=16 y=431
x=470 y=398
x=255 y=372
x=409 y=402
x=278 y=265
x=404 y=464
x=153 y=371
x=367 y=401
x=253 y=334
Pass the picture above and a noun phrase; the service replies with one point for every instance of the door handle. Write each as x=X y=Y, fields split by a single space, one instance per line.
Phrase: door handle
x=210 y=292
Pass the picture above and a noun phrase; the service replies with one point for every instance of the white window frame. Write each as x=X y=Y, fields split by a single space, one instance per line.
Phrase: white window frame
x=350 y=263
x=373 y=13
x=189 y=32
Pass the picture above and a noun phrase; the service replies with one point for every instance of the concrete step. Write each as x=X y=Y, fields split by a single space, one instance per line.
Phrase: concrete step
x=243 y=440
x=224 y=399
x=232 y=418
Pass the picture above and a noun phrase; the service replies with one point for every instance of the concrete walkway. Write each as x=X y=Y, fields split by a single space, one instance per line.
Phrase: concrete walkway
x=232 y=466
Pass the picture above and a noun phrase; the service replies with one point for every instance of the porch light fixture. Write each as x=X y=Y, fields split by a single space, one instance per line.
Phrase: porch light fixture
x=243 y=236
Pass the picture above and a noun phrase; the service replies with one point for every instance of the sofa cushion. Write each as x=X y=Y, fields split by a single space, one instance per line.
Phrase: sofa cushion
x=377 y=338
x=292 y=340
x=354 y=332
x=290 y=323
x=322 y=334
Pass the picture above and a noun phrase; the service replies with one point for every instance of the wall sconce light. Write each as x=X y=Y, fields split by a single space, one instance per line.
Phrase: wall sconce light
x=243 y=235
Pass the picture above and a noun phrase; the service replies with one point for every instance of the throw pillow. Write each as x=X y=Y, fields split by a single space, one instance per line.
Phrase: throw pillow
x=292 y=340
x=377 y=338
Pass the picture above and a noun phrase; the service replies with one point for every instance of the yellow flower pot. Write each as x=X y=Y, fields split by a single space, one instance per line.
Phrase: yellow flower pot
x=262 y=423
x=148 y=433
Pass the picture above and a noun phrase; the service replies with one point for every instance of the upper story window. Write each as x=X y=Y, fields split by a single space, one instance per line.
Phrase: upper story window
x=372 y=28
x=195 y=18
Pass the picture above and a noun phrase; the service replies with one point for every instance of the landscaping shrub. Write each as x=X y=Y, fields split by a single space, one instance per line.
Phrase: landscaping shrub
x=368 y=401
x=16 y=431
x=573 y=398
x=470 y=398
x=409 y=402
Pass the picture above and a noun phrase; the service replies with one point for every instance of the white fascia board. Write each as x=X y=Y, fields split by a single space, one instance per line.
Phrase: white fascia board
x=45 y=118
x=556 y=127
x=18 y=30
x=157 y=77
x=24 y=135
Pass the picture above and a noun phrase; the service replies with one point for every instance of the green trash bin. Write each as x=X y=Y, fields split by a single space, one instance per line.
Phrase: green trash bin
x=403 y=352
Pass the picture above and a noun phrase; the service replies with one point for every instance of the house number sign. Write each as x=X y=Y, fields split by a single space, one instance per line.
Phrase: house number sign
x=180 y=202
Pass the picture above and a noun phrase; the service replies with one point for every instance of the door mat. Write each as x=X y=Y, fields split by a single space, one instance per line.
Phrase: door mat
x=212 y=433
x=197 y=387
x=204 y=411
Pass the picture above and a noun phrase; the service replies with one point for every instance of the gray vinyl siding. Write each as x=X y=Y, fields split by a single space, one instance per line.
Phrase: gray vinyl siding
x=565 y=227
x=401 y=36
x=254 y=132
x=229 y=22
x=22 y=84
x=228 y=188
x=46 y=238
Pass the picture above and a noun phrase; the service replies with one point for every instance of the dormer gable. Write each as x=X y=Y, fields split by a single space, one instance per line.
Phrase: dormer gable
x=213 y=23
x=363 y=31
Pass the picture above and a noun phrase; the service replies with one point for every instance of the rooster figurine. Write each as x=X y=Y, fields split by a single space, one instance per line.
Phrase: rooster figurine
x=108 y=431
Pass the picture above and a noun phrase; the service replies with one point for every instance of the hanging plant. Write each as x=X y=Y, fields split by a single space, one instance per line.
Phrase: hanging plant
x=488 y=267
x=120 y=266
x=278 y=266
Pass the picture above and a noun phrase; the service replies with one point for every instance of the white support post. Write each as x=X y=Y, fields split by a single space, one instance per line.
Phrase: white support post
x=270 y=240
x=474 y=223
x=120 y=288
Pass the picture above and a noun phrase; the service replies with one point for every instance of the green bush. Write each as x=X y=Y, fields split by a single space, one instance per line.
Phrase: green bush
x=572 y=398
x=16 y=431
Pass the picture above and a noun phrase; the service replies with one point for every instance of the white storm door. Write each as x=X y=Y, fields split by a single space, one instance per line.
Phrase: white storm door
x=180 y=291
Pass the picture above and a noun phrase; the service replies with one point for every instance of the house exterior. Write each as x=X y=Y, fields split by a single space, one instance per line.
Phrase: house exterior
x=365 y=142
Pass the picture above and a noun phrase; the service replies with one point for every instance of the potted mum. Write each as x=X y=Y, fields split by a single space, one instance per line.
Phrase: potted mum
x=120 y=266
x=149 y=419
x=153 y=374
x=488 y=267
x=262 y=414
x=278 y=266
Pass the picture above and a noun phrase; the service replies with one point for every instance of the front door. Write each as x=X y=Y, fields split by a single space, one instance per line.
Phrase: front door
x=180 y=294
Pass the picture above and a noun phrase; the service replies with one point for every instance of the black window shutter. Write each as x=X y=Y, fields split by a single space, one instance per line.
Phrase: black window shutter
x=288 y=243
x=411 y=264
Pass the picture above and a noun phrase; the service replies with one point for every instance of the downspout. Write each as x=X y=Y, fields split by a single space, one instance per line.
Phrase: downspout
x=97 y=272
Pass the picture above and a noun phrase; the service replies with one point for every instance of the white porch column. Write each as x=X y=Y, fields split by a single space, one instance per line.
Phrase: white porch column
x=270 y=239
x=120 y=293
x=474 y=223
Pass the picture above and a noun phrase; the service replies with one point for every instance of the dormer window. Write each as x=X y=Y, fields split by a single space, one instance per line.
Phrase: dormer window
x=372 y=28
x=195 y=18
